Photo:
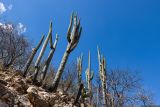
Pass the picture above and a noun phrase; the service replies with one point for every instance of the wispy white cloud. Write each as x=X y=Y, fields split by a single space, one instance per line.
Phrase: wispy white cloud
x=10 y=7
x=21 y=28
x=2 y=8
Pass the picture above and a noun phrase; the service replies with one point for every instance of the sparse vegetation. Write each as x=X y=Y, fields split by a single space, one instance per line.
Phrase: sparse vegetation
x=114 y=88
x=13 y=47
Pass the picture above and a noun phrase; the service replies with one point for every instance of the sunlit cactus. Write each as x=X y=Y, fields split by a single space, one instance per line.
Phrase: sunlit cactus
x=47 y=63
x=49 y=36
x=73 y=37
x=89 y=74
x=89 y=77
x=29 y=61
x=79 y=68
x=102 y=74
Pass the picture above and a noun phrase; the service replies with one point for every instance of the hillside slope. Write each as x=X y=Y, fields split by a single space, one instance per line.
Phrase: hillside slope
x=16 y=91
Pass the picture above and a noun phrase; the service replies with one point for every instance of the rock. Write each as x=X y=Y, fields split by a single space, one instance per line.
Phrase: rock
x=24 y=101
x=15 y=91
x=7 y=95
x=35 y=99
x=3 y=90
x=32 y=90
x=3 y=104
x=44 y=95
x=3 y=82
x=8 y=79
x=52 y=99
x=60 y=92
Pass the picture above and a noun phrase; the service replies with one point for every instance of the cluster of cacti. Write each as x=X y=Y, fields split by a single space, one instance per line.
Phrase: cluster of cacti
x=37 y=67
x=73 y=37
x=37 y=63
x=102 y=74
x=85 y=92
x=79 y=68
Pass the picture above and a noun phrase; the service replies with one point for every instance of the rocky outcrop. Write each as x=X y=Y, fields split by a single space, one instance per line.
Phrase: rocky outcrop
x=15 y=91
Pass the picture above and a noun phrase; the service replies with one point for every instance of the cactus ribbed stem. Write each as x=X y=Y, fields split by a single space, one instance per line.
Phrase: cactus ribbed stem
x=73 y=37
x=79 y=68
x=89 y=77
x=60 y=71
x=41 y=53
x=102 y=73
x=47 y=63
x=29 y=61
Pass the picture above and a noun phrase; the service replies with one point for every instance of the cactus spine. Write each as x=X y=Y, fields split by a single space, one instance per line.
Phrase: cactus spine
x=42 y=52
x=102 y=74
x=29 y=61
x=79 y=69
x=47 y=63
x=73 y=37
x=89 y=77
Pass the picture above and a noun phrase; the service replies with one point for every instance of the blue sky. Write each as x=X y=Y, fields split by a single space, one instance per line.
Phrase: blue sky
x=127 y=31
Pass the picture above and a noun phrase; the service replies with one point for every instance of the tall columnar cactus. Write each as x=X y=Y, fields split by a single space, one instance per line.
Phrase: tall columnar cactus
x=79 y=68
x=89 y=77
x=49 y=36
x=102 y=74
x=29 y=61
x=47 y=63
x=73 y=37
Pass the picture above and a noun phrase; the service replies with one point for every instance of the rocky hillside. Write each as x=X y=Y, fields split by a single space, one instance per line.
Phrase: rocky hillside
x=16 y=91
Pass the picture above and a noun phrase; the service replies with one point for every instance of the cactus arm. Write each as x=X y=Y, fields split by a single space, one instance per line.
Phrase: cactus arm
x=47 y=63
x=102 y=74
x=59 y=72
x=89 y=62
x=44 y=47
x=71 y=35
x=50 y=32
x=39 y=44
x=41 y=54
x=92 y=75
x=79 y=68
x=29 y=61
x=70 y=28
x=99 y=57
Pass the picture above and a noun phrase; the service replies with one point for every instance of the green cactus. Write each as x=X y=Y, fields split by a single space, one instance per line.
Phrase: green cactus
x=29 y=61
x=73 y=37
x=47 y=63
x=102 y=73
x=79 y=68
x=41 y=53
